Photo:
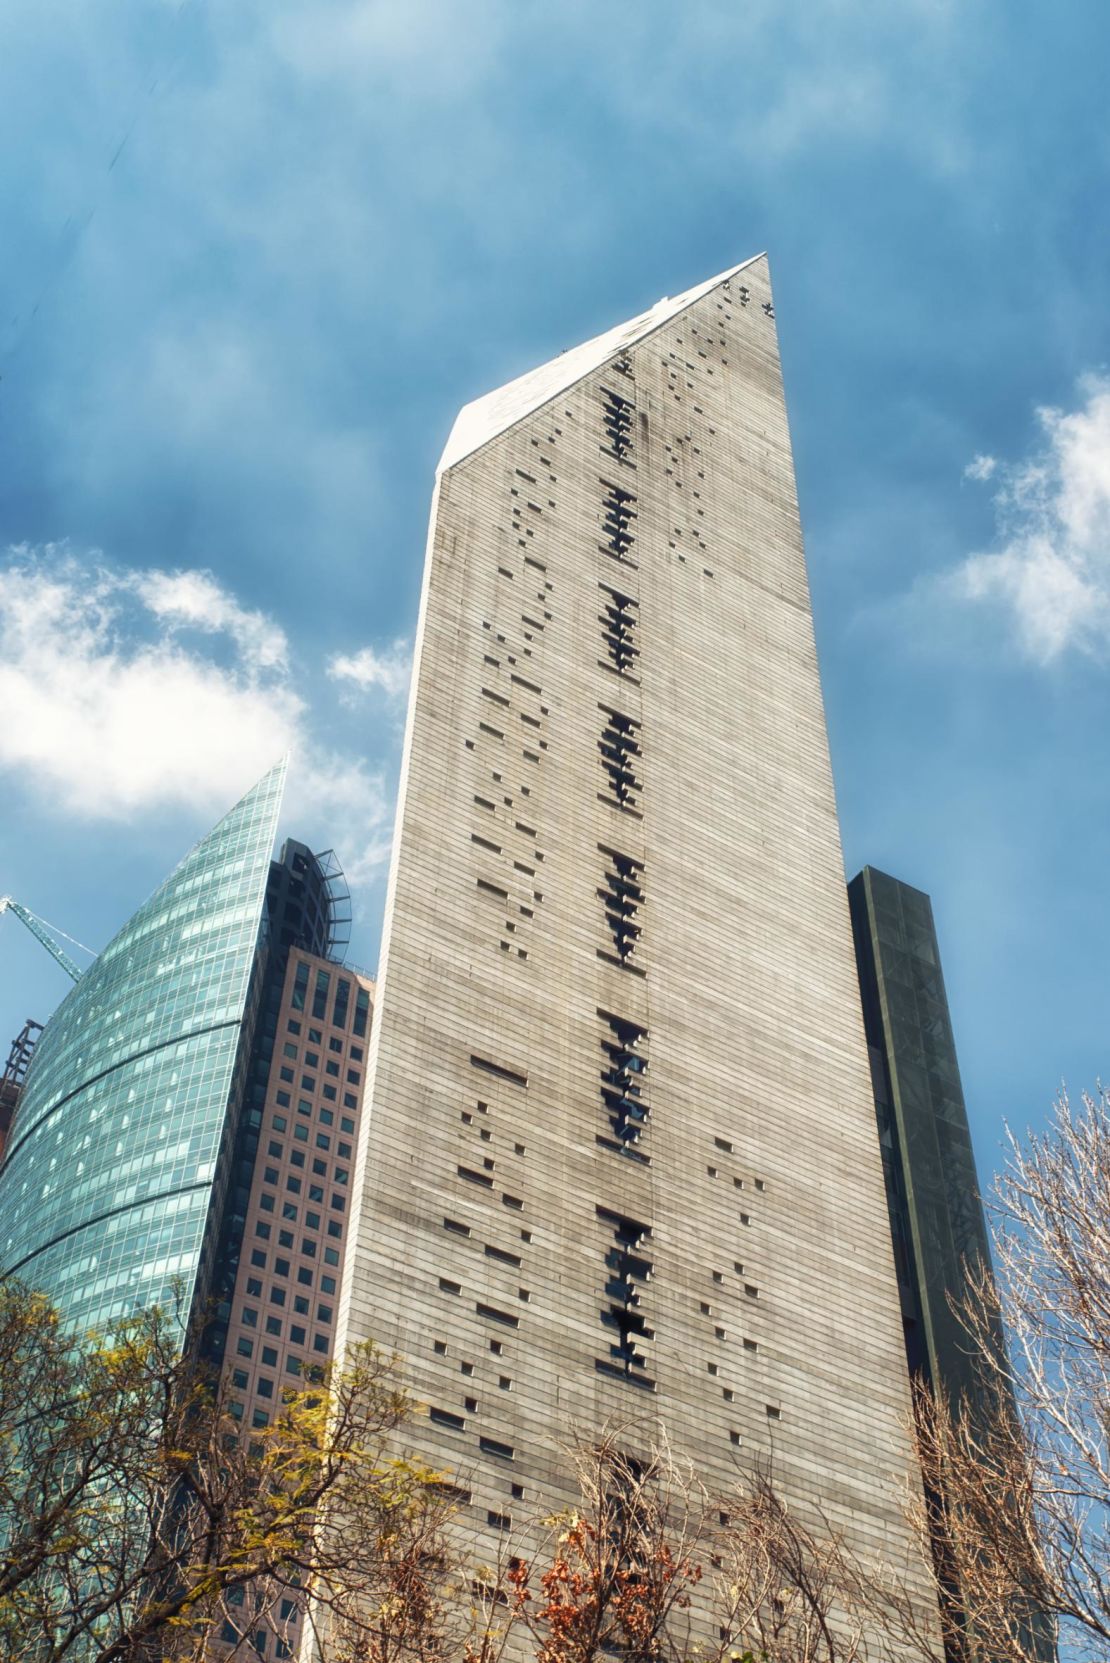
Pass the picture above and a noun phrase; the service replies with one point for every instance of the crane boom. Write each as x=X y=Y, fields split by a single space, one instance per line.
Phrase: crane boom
x=40 y=931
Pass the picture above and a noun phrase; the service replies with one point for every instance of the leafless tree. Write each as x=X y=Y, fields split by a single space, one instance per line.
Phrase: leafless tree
x=617 y=1571
x=796 y=1591
x=1022 y=1466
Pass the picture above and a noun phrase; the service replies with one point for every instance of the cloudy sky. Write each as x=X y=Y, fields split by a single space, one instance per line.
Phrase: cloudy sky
x=255 y=256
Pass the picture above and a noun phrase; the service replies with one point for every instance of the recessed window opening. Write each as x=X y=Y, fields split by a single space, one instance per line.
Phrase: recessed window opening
x=619 y=748
x=443 y=1417
x=496 y=1315
x=628 y=1270
x=624 y=1066
x=499 y=1069
x=622 y=896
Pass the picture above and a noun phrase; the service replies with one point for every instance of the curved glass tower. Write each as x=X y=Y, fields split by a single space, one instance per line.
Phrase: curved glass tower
x=107 y=1194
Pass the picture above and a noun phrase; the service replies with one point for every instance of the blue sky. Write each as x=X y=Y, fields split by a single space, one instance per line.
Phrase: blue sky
x=254 y=258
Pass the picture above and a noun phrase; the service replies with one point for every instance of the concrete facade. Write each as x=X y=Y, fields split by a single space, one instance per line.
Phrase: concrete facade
x=619 y=1155
x=282 y=1317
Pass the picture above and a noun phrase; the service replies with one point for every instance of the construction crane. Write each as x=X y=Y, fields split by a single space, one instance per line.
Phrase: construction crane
x=40 y=929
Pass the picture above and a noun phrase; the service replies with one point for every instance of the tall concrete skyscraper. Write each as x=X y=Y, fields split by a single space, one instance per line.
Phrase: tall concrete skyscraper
x=619 y=1158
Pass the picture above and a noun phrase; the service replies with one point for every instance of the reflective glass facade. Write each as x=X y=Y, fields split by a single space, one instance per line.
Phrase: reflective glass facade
x=107 y=1188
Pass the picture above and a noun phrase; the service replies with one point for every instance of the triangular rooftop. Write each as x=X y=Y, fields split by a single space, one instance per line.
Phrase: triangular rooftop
x=479 y=422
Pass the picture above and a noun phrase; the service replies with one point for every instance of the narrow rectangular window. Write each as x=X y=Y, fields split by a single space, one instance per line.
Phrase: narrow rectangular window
x=495 y=1315
x=503 y=1073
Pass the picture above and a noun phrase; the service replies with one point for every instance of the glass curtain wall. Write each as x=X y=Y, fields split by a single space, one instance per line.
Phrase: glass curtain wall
x=108 y=1178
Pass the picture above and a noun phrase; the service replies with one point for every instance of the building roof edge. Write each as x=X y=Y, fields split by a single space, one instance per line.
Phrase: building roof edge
x=495 y=412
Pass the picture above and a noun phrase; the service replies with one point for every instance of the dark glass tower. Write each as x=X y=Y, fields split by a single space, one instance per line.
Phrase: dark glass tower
x=131 y=1153
x=113 y=1181
x=936 y=1216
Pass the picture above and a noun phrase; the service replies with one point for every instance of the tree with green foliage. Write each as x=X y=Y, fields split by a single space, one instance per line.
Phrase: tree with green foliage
x=138 y=1521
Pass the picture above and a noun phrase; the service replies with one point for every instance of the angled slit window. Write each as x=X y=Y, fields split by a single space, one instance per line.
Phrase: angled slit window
x=620 y=752
x=619 y=617
x=624 y=1066
x=621 y=897
x=616 y=417
x=618 y=512
x=628 y=1270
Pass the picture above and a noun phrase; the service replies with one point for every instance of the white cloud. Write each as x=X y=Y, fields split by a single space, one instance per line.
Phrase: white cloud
x=980 y=467
x=340 y=803
x=195 y=599
x=1050 y=576
x=390 y=670
x=107 y=715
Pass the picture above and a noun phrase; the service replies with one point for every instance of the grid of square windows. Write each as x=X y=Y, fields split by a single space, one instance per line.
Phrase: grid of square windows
x=278 y=1180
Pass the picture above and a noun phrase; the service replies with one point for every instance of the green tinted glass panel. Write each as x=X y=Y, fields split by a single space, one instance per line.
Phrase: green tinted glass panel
x=106 y=1188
